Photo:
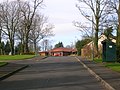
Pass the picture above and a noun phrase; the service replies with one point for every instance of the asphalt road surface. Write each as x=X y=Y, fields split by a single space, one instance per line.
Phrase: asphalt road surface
x=53 y=73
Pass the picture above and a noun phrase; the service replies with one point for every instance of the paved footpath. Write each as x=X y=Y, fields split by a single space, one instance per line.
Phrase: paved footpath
x=108 y=78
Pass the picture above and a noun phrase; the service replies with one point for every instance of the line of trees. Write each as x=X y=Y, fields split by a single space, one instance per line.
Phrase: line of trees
x=60 y=44
x=21 y=21
x=103 y=14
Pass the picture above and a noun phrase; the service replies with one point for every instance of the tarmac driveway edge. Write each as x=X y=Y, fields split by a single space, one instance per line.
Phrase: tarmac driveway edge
x=107 y=85
x=12 y=72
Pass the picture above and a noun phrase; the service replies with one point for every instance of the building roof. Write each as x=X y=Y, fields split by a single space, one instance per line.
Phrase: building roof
x=62 y=49
x=101 y=38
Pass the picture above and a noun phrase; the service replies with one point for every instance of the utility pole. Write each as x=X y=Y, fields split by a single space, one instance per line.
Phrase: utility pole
x=92 y=40
x=92 y=27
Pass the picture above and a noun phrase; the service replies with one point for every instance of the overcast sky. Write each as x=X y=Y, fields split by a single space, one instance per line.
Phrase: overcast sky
x=62 y=13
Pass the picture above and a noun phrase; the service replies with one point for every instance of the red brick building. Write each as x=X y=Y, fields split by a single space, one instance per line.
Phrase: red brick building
x=59 y=52
x=62 y=51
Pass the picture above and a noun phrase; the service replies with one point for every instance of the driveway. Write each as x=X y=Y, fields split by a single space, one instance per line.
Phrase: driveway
x=52 y=73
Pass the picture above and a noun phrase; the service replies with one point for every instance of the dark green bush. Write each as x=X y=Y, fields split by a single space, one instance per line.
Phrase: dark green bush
x=118 y=54
x=29 y=53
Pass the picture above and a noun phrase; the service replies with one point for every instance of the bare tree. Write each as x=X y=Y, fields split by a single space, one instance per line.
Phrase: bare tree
x=21 y=32
x=21 y=20
x=40 y=30
x=29 y=12
x=46 y=45
x=96 y=14
x=85 y=29
x=9 y=18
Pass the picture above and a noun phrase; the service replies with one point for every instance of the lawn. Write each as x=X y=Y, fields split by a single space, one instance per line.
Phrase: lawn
x=15 y=57
x=112 y=65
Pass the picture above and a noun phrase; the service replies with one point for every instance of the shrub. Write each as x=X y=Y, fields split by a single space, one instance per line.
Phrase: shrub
x=29 y=53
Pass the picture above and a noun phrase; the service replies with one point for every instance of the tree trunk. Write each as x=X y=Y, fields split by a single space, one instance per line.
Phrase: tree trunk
x=22 y=47
x=97 y=18
x=96 y=42
x=26 y=45
x=0 y=39
x=0 y=44
x=118 y=35
x=12 y=46
x=35 y=47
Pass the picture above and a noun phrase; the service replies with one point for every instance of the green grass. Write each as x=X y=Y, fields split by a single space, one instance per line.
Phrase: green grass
x=15 y=57
x=112 y=65
x=2 y=64
x=98 y=60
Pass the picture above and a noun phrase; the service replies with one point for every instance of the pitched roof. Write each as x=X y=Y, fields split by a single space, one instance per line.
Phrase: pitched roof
x=62 y=49
x=101 y=38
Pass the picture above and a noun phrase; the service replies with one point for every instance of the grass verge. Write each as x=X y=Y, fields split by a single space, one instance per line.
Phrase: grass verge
x=99 y=60
x=15 y=57
x=2 y=63
x=115 y=66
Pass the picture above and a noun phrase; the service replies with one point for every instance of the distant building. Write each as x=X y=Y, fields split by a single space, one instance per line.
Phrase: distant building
x=62 y=51
x=44 y=53
x=59 y=52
